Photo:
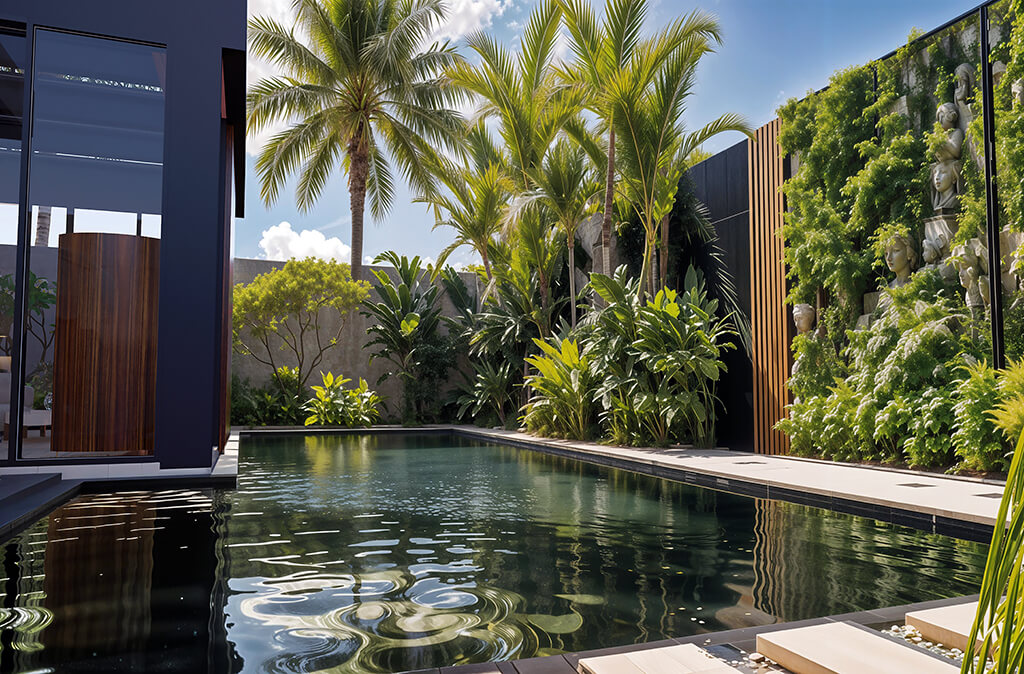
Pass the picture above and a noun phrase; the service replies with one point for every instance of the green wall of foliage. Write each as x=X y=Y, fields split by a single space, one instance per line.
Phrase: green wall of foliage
x=914 y=387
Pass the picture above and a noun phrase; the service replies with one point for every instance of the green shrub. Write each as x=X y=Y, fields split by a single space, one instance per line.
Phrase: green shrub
x=563 y=392
x=658 y=362
x=896 y=404
x=269 y=405
x=406 y=333
x=333 y=405
x=490 y=391
x=1008 y=415
x=979 y=444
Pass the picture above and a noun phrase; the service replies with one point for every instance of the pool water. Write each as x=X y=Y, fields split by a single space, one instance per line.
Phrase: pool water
x=393 y=553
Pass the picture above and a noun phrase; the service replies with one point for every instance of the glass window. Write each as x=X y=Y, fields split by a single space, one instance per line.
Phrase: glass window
x=95 y=194
x=13 y=51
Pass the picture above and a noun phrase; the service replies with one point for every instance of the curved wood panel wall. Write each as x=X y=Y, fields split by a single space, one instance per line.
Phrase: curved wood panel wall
x=104 y=373
x=768 y=315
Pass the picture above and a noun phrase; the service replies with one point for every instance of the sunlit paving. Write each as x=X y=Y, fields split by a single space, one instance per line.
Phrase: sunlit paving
x=512 y=337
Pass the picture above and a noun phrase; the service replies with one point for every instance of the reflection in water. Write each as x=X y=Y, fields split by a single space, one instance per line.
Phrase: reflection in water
x=378 y=554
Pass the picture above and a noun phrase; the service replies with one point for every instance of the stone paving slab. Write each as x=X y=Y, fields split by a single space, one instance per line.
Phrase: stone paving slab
x=823 y=483
x=844 y=648
x=947 y=625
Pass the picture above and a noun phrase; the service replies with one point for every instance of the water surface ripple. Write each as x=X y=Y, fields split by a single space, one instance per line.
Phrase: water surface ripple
x=386 y=554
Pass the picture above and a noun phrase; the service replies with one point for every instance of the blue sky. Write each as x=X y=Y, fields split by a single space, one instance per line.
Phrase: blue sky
x=772 y=50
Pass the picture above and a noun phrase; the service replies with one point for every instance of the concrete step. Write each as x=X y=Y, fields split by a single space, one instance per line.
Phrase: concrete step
x=949 y=625
x=11 y=486
x=682 y=659
x=845 y=648
x=29 y=500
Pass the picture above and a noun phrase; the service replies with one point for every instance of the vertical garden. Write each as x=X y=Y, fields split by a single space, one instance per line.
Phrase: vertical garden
x=889 y=253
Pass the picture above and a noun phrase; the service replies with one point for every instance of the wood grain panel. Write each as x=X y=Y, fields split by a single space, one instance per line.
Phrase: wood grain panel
x=769 y=316
x=104 y=387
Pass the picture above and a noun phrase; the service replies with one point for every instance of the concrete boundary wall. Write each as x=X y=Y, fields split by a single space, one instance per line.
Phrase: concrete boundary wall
x=348 y=358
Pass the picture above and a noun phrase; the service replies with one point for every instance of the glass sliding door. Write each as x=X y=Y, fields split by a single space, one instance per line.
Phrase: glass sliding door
x=96 y=179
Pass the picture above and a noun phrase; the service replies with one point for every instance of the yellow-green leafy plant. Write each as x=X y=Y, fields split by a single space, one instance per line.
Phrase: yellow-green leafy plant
x=281 y=318
x=334 y=405
x=563 y=387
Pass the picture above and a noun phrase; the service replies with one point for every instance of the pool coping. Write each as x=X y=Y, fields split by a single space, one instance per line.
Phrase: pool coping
x=902 y=497
x=743 y=639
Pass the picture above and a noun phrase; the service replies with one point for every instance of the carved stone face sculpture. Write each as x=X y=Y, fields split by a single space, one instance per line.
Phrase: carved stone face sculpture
x=947 y=115
x=1017 y=88
x=803 y=318
x=945 y=180
x=900 y=257
x=964 y=82
x=975 y=284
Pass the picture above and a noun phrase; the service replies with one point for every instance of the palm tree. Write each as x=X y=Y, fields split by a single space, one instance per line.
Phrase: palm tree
x=359 y=90
x=566 y=189
x=474 y=197
x=648 y=105
x=603 y=55
x=522 y=93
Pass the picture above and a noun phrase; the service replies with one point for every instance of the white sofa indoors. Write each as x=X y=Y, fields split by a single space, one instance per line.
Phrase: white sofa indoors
x=5 y=395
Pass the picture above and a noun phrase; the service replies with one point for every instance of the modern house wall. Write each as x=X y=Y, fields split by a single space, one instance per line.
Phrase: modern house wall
x=201 y=192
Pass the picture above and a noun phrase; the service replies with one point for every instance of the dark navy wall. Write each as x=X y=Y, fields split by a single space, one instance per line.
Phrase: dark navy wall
x=720 y=183
x=196 y=33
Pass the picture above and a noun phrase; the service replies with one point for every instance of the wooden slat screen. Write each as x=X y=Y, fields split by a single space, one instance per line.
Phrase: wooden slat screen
x=769 y=316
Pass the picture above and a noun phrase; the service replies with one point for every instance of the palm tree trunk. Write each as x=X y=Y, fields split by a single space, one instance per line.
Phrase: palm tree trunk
x=542 y=281
x=648 y=267
x=663 y=253
x=359 y=168
x=487 y=263
x=609 y=201
x=43 y=226
x=572 y=278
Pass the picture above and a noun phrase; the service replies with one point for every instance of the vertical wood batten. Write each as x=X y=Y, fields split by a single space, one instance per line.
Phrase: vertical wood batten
x=768 y=290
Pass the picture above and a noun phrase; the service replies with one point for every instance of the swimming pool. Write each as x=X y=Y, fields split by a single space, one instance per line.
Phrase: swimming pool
x=379 y=553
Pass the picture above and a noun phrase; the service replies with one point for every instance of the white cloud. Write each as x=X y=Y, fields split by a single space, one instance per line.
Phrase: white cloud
x=466 y=16
x=281 y=242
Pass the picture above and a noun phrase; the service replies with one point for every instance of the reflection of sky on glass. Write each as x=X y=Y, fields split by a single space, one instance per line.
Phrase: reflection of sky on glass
x=98 y=118
x=8 y=223
x=86 y=220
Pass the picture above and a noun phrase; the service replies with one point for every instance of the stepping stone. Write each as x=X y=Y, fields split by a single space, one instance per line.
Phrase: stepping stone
x=844 y=648
x=949 y=625
x=682 y=659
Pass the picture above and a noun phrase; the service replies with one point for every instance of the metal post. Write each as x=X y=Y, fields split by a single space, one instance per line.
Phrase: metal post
x=22 y=261
x=991 y=200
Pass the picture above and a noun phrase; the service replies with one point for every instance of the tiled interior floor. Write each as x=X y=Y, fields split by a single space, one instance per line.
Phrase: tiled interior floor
x=36 y=446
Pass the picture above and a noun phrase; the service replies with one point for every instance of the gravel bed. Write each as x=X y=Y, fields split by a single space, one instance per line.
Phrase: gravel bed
x=914 y=638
